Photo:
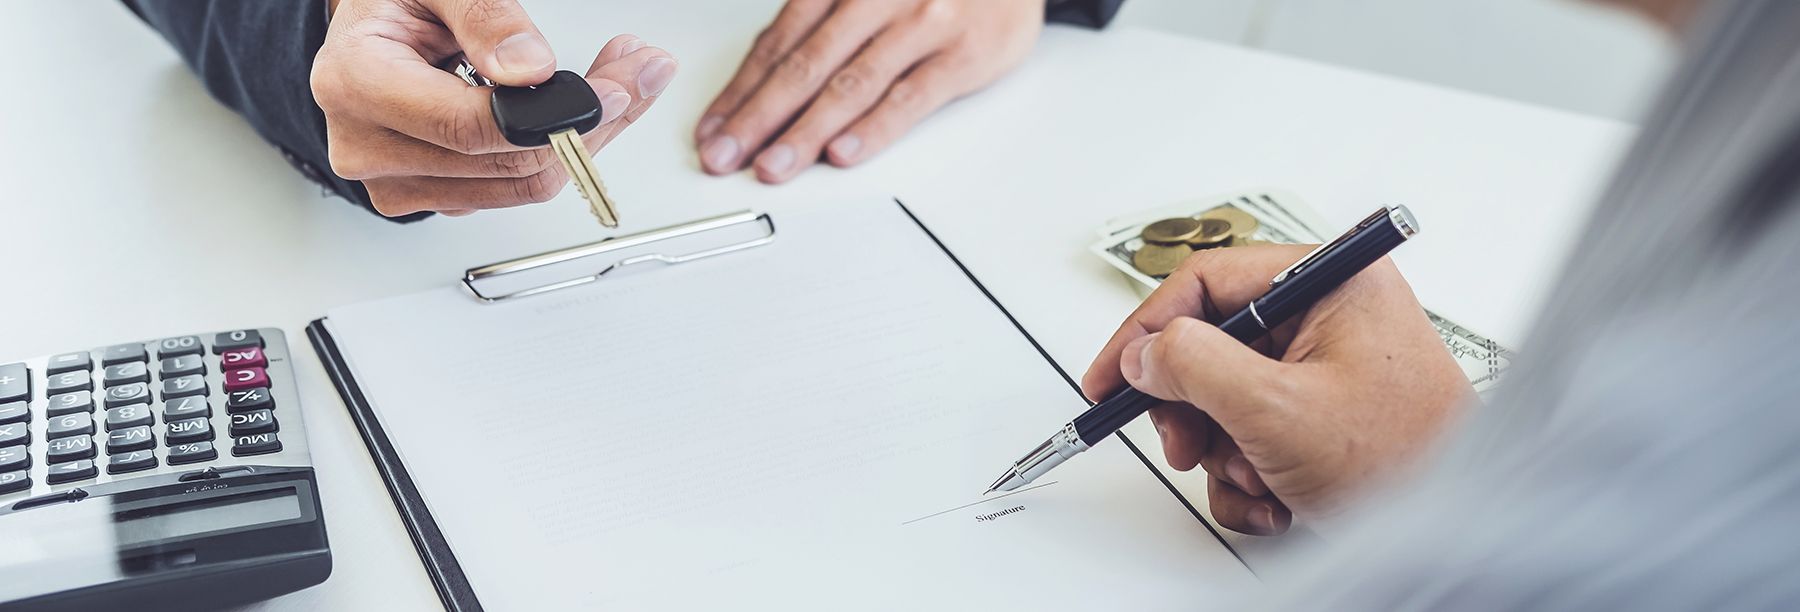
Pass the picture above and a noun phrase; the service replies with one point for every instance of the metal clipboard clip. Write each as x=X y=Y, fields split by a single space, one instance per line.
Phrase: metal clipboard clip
x=535 y=274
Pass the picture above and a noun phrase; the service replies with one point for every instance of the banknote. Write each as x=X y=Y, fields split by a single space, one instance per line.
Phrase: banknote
x=1283 y=219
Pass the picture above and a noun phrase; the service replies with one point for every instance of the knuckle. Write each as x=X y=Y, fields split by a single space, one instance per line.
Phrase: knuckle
x=387 y=203
x=327 y=84
x=767 y=50
x=517 y=163
x=537 y=188
x=799 y=68
x=462 y=131
x=477 y=12
x=346 y=163
x=906 y=95
x=938 y=11
x=851 y=82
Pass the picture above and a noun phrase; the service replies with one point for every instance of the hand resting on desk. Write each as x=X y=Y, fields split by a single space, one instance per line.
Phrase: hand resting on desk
x=846 y=78
x=1342 y=397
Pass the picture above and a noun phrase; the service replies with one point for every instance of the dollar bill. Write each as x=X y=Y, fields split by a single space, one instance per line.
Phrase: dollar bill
x=1283 y=219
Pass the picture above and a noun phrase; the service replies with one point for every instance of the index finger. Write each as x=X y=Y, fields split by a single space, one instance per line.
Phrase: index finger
x=792 y=25
x=1210 y=285
x=392 y=86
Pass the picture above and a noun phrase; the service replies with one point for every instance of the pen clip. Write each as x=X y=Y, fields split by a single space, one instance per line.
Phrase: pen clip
x=1285 y=275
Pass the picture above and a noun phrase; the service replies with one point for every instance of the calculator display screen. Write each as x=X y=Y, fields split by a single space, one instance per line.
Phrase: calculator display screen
x=182 y=520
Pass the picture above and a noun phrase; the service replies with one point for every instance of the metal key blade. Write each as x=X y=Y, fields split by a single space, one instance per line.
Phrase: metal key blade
x=568 y=147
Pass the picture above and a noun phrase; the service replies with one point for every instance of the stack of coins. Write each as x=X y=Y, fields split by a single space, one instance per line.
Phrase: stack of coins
x=1169 y=242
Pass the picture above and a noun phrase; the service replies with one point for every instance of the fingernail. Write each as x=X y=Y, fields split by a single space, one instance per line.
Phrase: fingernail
x=777 y=160
x=846 y=147
x=1262 y=519
x=655 y=77
x=721 y=154
x=634 y=45
x=1238 y=468
x=1131 y=360
x=523 y=52
x=612 y=105
x=708 y=126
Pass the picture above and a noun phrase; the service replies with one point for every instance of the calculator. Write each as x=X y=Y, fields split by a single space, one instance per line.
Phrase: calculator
x=171 y=473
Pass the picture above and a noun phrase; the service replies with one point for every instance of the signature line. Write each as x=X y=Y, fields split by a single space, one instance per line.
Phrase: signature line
x=982 y=501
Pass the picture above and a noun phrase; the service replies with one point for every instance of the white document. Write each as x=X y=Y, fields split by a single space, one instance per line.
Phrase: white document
x=807 y=425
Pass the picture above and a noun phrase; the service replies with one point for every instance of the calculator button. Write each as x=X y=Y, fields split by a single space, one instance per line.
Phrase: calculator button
x=183 y=387
x=176 y=347
x=129 y=416
x=13 y=482
x=123 y=353
x=125 y=373
x=249 y=378
x=71 y=471
x=66 y=382
x=192 y=453
x=237 y=339
x=16 y=412
x=15 y=458
x=181 y=366
x=69 y=449
x=252 y=422
x=15 y=382
x=188 y=430
x=68 y=362
x=247 y=357
x=186 y=407
x=125 y=395
x=259 y=444
x=130 y=439
x=79 y=401
x=130 y=462
x=77 y=424
x=16 y=433
x=248 y=399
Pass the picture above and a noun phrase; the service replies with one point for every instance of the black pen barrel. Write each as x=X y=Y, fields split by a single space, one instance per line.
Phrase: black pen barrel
x=1293 y=292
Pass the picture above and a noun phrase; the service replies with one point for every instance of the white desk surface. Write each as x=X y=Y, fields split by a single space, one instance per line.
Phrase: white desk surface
x=136 y=207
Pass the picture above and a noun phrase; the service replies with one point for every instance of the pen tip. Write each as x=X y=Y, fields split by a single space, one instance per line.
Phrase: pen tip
x=1005 y=479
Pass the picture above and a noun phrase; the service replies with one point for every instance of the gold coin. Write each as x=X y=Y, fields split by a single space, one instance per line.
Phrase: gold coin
x=1213 y=233
x=1243 y=226
x=1159 y=260
x=1170 y=231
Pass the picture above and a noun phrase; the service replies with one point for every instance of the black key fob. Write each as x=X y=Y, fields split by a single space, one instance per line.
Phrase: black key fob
x=527 y=116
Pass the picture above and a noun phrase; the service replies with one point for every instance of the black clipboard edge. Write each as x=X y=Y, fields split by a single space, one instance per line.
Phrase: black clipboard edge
x=447 y=576
x=1072 y=384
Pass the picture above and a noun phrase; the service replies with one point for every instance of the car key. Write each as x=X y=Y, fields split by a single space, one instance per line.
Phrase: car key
x=555 y=112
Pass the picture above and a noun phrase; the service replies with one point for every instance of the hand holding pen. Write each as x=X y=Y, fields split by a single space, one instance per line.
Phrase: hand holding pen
x=1303 y=417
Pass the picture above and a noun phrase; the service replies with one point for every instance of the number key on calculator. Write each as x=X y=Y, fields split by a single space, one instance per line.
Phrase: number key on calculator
x=142 y=409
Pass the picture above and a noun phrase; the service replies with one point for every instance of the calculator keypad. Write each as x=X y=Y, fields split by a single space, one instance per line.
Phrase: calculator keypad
x=145 y=408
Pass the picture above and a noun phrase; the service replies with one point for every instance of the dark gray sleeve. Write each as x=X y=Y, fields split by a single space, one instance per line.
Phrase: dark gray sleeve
x=256 y=58
x=1090 y=13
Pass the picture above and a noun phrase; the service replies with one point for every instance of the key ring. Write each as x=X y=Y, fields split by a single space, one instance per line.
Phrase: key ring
x=459 y=65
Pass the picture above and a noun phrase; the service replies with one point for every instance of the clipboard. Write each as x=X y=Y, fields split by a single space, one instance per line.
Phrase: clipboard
x=662 y=248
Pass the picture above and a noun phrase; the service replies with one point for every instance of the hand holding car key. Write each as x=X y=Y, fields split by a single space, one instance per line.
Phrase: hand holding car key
x=556 y=112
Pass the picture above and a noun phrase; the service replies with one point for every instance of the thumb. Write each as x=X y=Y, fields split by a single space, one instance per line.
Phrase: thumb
x=499 y=39
x=1194 y=362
